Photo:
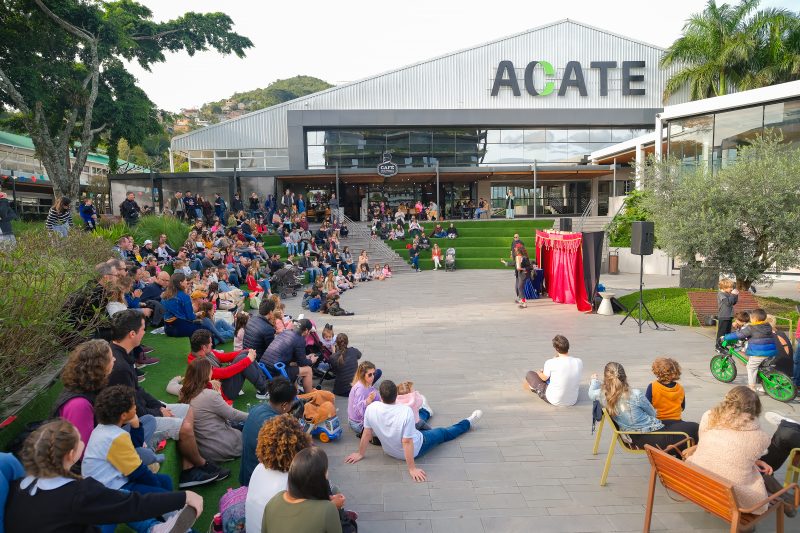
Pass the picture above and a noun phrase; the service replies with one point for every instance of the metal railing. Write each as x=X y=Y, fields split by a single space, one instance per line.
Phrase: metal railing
x=586 y=212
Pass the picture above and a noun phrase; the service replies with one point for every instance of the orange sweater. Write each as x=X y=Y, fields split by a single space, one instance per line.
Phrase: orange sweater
x=667 y=401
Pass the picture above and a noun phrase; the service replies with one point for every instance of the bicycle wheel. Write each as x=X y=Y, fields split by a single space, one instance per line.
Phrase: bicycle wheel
x=778 y=386
x=723 y=367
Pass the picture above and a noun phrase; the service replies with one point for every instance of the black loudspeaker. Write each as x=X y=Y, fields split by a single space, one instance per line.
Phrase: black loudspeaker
x=565 y=224
x=642 y=238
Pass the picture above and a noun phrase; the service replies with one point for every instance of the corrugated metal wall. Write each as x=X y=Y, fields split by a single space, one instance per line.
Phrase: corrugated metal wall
x=463 y=80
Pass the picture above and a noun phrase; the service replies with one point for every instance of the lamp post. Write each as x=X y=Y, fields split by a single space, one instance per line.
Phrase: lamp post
x=14 y=191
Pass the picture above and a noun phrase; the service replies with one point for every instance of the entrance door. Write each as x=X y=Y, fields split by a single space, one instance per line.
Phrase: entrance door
x=351 y=199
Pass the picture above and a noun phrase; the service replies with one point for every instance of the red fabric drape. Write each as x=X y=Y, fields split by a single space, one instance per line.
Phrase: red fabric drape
x=560 y=256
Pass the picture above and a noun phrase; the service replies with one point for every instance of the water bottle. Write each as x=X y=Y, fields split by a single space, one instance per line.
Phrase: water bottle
x=217 y=524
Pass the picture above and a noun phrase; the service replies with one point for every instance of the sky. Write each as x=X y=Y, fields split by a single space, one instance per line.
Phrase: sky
x=354 y=39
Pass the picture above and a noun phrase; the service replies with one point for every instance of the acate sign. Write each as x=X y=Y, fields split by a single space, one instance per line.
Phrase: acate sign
x=506 y=76
x=387 y=169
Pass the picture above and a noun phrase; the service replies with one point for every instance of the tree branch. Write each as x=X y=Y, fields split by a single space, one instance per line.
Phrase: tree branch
x=70 y=28
x=156 y=36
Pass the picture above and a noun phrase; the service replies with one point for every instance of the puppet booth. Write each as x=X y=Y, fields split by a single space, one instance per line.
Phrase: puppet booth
x=571 y=265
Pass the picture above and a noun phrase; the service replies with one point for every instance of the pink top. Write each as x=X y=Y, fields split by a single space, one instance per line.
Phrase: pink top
x=414 y=400
x=237 y=340
x=80 y=412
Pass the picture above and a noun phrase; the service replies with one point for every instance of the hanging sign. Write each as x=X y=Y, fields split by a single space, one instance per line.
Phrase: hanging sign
x=387 y=169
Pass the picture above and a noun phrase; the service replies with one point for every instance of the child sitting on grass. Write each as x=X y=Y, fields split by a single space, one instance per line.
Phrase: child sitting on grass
x=666 y=394
x=110 y=455
x=239 y=324
x=760 y=344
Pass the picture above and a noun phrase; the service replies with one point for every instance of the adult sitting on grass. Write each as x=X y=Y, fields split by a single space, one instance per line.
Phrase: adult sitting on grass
x=279 y=440
x=395 y=426
x=289 y=348
x=51 y=498
x=631 y=411
x=452 y=232
x=282 y=395
x=439 y=232
x=231 y=369
x=259 y=332
x=216 y=438
x=559 y=381
x=731 y=446
x=179 y=316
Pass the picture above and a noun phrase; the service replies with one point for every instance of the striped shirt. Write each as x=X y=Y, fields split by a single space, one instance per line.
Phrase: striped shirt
x=54 y=218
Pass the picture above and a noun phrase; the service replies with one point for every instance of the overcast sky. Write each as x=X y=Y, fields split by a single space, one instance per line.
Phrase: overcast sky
x=353 y=39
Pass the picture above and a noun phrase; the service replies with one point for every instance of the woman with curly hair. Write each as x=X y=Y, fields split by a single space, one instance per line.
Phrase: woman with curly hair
x=85 y=374
x=731 y=446
x=279 y=441
x=217 y=440
x=631 y=410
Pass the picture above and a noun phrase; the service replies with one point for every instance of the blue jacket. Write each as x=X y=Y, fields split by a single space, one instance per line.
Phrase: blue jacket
x=760 y=339
x=10 y=470
x=178 y=307
x=634 y=413
x=258 y=335
x=288 y=347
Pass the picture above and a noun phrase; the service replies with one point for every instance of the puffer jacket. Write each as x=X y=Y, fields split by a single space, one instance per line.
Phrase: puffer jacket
x=760 y=339
x=258 y=335
x=288 y=347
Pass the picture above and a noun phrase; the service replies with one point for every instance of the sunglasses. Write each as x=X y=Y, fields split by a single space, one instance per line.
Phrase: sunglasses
x=370 y=374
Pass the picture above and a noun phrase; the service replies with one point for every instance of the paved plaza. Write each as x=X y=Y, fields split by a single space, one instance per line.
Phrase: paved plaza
x=527 y=466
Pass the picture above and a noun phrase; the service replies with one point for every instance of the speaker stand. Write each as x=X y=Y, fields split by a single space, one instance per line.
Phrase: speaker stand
x=640 y=305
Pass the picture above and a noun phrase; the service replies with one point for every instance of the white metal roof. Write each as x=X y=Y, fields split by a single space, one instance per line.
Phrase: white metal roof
x=762 y=95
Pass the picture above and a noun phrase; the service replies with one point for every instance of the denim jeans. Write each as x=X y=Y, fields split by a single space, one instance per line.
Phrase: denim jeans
x=436 y=436
x=415 y=261
x=797 y=364
x=61 y=229
x=313 y=273
x=181 y=328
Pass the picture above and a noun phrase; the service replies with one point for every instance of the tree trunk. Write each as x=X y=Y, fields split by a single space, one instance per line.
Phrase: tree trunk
x=743 y=284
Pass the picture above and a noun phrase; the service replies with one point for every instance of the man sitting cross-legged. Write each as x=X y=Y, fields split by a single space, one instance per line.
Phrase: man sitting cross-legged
x=394 y=425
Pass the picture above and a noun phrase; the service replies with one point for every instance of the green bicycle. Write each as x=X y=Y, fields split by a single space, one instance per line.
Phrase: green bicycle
x=776 y=384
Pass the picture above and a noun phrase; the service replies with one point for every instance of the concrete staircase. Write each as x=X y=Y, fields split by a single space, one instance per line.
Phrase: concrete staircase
x=359 y=239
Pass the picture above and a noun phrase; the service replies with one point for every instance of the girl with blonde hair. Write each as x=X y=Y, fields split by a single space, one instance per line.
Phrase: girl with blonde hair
x=631 y=411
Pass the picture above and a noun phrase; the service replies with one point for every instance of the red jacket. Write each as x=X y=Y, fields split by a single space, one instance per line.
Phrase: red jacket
x=225 y=372
x=252 y=284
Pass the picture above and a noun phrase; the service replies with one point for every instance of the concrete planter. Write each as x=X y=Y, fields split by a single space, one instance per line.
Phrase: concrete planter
x=658 y=263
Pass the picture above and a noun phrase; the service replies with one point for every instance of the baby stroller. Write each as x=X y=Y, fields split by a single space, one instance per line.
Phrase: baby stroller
x=286 y=281
x=322 y=368
x=450 y=260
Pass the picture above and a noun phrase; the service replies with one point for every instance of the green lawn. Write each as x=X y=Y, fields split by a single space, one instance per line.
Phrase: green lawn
x=671 y=306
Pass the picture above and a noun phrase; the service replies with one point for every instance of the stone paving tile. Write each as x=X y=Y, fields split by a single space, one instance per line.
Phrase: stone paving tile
x=527 y=466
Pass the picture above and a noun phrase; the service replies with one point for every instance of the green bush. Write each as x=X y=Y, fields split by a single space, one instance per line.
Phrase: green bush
x=149 y=227
x=619 y=230
x=36 y=278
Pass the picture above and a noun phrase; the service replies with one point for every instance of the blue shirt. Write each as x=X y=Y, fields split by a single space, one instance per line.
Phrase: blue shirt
x=10 y=470
x=179 y=306
x=255 y=419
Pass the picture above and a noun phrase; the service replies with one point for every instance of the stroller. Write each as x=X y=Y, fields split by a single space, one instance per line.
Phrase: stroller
x=450 y=260
x=322 y=368
x=286 y=281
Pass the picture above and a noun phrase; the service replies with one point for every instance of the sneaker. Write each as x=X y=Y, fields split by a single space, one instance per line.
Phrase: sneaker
x=775 y=418
x=196 y=476
x=140 y=378
x=262 y=395
x=147 y=361
x=147 y=349
x=179 y=522
x=214 y=468
x=474 y=417
x=426 y=405
x=760 y=389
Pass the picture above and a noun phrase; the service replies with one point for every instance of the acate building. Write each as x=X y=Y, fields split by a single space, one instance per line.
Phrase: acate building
x=523 y=112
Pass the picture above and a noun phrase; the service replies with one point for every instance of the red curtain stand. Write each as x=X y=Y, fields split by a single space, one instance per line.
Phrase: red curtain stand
x=560 y=255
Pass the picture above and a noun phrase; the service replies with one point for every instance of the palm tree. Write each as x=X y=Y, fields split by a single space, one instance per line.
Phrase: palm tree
x=728 y=47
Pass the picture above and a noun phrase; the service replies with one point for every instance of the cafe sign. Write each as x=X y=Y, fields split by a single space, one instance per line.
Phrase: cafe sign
x=387 y=169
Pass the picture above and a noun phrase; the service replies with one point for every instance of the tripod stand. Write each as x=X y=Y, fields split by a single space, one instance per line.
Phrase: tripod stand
x=640 y=304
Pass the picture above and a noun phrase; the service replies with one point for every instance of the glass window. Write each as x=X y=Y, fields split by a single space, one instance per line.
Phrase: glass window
x=492 y=155
x=577 y=151
x=207 y=154
x=578 y=136
x=535 y=152
x=201 y=164
x=512 y=154
x=511 y=136
x=534 y=136
x=690 y=139
x=600 y=136
x=316 y=156
x=733 y=129
x=227 y=163
x=785 y=117
x=493 y=136
x=621 y=134
x=220 y=154
x=557 y=152
x=557 y=135
x=253 y=162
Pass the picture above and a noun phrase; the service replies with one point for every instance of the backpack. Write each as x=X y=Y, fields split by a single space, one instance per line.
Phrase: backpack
x=232 y=510
x=314 y=304
x=335 y=310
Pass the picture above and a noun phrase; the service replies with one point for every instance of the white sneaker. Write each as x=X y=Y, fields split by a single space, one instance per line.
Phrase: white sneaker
x=474 y=417
x=775 y=418
x=760 y=389
x=426 y=405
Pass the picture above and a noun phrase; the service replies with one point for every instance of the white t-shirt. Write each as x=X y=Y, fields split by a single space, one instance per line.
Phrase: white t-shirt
x=264 y=484
x=565 y=380
x=392 y=423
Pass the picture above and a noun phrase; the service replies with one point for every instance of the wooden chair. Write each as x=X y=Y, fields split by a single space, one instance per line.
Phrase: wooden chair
x=619 y=437
x=792 y=468
x=709 y=491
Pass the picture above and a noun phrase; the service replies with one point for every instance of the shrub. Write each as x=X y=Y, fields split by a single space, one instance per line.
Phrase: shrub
x=152 y=227
x=619 y=230
x=36 y=279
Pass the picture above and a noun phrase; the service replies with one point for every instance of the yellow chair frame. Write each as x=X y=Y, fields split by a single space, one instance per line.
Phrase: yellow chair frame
x=792 y=468
x=617 y=438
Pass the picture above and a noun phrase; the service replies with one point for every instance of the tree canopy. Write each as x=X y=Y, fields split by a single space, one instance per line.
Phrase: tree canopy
x=734 y=47
x=742 y=219
x=62 y=68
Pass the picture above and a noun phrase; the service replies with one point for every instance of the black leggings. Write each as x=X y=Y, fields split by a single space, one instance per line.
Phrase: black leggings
x=786 y=437
x=661 y=440
x=522 y=276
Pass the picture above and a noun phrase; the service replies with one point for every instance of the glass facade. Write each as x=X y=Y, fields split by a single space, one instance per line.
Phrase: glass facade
x=255 y=159
x=457 y=147
x=714 y=139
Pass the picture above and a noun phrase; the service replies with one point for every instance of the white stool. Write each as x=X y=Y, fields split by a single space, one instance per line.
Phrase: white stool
x=605 y=306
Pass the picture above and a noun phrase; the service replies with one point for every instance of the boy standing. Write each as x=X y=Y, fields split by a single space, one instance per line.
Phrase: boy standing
x=559 y=381
x=726 y=299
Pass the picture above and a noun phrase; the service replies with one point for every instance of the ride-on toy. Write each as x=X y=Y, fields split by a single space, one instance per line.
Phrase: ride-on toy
x=776 y=384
